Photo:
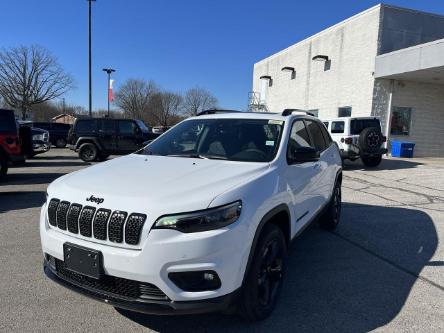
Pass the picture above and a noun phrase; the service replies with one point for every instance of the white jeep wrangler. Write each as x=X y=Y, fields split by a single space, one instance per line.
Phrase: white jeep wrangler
x=198 y=220
x=358 y=137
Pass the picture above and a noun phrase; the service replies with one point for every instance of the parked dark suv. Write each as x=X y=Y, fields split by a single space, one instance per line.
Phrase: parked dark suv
x=10 y=143
x=58 y=133
x=96 y=139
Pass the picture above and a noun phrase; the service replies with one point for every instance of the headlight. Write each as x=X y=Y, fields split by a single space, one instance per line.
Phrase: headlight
x=38 y=137
x=209 y=219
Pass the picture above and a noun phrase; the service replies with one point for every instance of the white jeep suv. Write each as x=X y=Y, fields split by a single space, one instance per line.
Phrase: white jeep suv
x=198 y=220
x=358 y=137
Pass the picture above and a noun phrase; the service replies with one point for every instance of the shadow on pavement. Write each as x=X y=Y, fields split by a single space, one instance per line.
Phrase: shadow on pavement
x=30 y=178
x=20 y=200
x=56 y=164
x=386 y=164
x=354 y=280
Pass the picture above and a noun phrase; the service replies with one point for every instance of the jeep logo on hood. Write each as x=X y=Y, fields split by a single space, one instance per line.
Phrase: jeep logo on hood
x=96 y=200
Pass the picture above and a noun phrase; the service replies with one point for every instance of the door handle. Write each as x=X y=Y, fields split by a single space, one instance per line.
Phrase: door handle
x=317 y=166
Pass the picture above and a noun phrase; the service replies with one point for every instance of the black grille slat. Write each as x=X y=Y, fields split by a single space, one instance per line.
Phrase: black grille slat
x=133 y=228
x=100 y=223
x=72 y=218
x=62 y=210
x=52 y=211
x=111 y=284
x=85 y=221
x=115 y=226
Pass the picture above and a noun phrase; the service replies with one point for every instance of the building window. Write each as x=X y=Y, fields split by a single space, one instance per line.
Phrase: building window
x=345 y=111
x=401 y=121
x=314 y=112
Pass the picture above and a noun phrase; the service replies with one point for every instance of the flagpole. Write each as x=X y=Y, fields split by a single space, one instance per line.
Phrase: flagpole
x=109 y=96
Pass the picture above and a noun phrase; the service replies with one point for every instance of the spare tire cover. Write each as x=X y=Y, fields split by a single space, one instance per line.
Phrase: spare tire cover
x=370 y=139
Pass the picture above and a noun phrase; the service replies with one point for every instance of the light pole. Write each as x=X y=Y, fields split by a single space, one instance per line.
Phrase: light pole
x=109 y=71
x=89 y=57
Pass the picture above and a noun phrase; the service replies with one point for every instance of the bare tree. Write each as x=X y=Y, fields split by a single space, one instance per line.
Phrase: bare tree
x=30 y=76
x=134 y=96
x=197 y=100
x=166 y=108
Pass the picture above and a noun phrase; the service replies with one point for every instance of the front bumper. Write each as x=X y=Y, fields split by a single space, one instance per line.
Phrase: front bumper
x=224 y=251
x=158 y=307
x=39 y=147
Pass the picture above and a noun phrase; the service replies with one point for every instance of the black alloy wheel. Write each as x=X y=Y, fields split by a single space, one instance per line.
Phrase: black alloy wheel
x=263 y=280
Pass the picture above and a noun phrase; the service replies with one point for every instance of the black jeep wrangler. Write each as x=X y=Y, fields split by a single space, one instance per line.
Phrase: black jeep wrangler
x=97 y=138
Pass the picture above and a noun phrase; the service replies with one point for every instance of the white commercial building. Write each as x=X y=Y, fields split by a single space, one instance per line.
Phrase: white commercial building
x=386 y=61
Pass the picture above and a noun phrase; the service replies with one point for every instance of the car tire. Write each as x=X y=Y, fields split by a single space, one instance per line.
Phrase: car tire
x=3 y=165
x=372 y=161
x=370 y=139
x=60 y=143
x=332 y=215
x=88 y=152
x=263 y=281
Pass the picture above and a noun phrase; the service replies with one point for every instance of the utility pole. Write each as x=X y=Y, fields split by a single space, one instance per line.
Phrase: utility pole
x=89 y=57
x=109 y=71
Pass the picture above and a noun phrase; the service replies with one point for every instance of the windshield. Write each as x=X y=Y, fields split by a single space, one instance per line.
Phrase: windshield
x=358 y=125
x=142 y=126
x=249 y=140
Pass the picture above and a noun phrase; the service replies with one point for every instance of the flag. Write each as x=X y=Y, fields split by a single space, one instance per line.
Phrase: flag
x=110 y=91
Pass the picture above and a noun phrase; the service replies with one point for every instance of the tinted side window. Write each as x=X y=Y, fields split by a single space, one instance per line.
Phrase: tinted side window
x=316 y=134
x=337 y=127
x=327 y=137
x=86 y=126
x=298 y=137
x=106 y=126
x=127 y=127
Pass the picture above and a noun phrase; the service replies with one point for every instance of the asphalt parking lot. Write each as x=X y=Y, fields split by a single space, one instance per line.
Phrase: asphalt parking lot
x=383 y=269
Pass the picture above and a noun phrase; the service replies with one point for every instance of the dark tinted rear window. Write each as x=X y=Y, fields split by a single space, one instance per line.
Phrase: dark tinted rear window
x=357 y=125
x=86 y=126
x=7 y=122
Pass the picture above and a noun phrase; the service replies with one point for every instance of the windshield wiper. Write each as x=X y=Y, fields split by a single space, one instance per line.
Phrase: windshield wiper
x=186 y=155
x=201 y=156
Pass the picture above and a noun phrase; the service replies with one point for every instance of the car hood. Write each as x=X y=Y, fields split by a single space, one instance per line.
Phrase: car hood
x=166 y=185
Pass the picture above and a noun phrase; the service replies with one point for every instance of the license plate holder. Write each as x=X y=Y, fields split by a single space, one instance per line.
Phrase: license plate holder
x=82 y=260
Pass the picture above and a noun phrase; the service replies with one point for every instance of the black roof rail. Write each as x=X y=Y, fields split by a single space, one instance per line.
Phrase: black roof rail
x=288 y=112
x=214 y=111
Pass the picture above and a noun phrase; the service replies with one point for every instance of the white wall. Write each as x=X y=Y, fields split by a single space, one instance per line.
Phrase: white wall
x=427 y=125
x=351 y=45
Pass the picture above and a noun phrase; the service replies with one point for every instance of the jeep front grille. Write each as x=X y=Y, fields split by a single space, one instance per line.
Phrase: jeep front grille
x=133 y=228
x=116 y=226
x=85 y=221
x=102 y=224
x=52 y=211
x=62 y=210
x=73 y=218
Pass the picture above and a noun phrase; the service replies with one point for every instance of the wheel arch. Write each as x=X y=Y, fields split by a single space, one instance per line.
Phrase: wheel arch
x=93 y=140
x=279 y=216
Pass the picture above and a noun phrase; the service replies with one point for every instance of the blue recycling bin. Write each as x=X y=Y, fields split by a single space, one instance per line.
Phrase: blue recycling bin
x=402 y=148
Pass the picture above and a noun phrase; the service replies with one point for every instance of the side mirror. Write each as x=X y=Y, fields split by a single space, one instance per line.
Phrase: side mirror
x=303 y=154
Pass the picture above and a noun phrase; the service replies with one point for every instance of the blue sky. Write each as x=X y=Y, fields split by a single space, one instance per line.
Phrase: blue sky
x=177 y=43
